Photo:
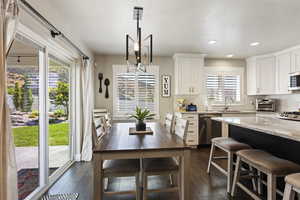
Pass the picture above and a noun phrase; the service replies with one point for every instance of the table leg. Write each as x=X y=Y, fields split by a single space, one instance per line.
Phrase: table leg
x=98 y=182
x=185 y=175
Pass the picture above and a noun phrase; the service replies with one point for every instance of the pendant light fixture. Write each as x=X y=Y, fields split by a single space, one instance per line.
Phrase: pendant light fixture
x=140 y=49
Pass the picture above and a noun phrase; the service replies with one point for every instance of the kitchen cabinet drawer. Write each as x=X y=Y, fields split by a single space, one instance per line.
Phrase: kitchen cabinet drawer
x=190 y=116
x=192 y=132
x=192 y=142
x=192 y=129
x=193 y=123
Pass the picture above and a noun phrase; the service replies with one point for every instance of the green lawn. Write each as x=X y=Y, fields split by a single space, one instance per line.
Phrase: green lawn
x=28 y=136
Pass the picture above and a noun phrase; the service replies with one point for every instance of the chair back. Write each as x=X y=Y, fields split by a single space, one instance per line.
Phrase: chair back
x=181 y=126
x=99 y=129
x=169 y=122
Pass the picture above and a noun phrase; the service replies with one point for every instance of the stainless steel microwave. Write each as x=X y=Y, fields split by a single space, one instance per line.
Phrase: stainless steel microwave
x=295 y=81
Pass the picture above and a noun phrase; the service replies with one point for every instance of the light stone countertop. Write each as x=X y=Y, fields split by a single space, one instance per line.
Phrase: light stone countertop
x=266 y=124
x=220 y=112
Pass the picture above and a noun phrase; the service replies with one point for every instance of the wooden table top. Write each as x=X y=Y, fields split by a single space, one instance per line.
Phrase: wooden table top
x=118 y=139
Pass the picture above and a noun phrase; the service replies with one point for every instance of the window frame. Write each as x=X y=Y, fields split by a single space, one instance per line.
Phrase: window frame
x=123 y=69
x=225 y=70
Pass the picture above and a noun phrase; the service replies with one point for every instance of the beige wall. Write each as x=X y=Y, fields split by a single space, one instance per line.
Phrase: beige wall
x=104 y=65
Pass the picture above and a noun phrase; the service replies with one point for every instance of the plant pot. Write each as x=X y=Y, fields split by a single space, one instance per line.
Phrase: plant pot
x=140 y=126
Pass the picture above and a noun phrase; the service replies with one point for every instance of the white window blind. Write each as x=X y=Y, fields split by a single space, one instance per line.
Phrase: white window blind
x=133 y=89
x=221 y=86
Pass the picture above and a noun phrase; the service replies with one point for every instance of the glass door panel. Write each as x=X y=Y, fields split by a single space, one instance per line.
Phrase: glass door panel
x=23 y=78
x=59 y=132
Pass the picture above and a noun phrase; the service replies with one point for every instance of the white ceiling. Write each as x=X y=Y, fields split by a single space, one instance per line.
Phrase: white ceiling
x=187 y=25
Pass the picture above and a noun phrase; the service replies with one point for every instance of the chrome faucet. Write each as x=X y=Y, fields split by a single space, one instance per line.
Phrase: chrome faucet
x=228 y=101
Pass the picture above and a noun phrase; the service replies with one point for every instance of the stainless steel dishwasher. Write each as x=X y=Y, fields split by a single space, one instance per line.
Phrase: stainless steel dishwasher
x=208 y=128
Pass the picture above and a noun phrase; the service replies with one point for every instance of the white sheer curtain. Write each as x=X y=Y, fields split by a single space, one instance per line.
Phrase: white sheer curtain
x=8 y=169
x=87 y=82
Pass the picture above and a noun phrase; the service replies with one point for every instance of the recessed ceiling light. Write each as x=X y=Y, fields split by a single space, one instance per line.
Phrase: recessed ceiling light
x=212 y=42
x=253 y=44
x=229 y=55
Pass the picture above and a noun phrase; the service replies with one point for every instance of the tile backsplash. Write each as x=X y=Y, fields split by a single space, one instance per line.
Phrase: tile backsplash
x=200 y=101
x=289 y=102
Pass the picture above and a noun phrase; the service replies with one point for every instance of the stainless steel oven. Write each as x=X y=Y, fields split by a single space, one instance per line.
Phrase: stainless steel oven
x=295 y=81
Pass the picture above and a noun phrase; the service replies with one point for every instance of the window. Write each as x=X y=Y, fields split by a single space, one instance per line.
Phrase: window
x=224 y=86
x=133 y=89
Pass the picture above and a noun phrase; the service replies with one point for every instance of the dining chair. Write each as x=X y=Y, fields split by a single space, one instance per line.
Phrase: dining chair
x=115 y=168
x=169 y=122
x=164 y=166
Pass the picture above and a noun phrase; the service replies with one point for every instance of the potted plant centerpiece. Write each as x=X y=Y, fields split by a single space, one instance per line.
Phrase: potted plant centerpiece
x=140 y=115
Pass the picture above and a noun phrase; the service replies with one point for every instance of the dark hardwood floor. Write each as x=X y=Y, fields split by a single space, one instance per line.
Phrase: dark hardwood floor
x=79 y=178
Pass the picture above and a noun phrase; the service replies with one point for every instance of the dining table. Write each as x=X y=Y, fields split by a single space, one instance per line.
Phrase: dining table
x=119 y=144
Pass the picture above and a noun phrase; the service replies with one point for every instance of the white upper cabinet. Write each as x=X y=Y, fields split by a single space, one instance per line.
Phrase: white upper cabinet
x=266 y=75
x=283 y=68
x=251 y=76
x=189 y=74
x=261 y=75
x=295 y=65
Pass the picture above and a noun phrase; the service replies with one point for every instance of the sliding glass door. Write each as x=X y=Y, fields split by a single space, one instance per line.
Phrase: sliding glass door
x=59 y=132
x=40 y=94
x=23 y=85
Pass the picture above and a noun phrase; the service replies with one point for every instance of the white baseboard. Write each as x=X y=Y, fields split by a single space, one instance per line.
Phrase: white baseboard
x=78 y=157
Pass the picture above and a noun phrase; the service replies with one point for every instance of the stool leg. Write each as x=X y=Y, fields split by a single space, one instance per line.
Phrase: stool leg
x=138 y=188
x=212 y=149
x=236 y=175
x=271 y=187
x=259 y=182
x=229 y=171
x=253 y=179
x=145 y=186
x=289 y=193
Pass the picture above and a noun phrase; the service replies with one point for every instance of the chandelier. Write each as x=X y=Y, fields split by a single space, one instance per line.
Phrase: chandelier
x=138 y=49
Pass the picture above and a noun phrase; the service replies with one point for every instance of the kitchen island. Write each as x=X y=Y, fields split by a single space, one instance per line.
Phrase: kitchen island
x=276 y=136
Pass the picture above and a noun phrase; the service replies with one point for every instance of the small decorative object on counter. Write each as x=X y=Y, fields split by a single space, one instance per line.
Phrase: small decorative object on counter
x=181 y=105
x=106 y=83
x=166 y=86
x=191 y=108
x=140 y=115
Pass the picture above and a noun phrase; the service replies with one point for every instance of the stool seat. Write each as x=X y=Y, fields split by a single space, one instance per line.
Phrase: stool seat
x=230 y=144
x=268 y=163
x=159 y=164
x=294 y=180
x=121 y=166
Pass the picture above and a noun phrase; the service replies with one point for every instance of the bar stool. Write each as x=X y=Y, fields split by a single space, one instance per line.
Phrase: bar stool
x=230 y=146
x=292 y=186
x=266 y=163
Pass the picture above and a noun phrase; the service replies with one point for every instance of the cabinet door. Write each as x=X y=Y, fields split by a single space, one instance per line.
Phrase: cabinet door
x=283 y=68
x=196 y=75
x=251 y=77
x=186 y=76
x=182 y=87
x=266 y=73
x=295 y=61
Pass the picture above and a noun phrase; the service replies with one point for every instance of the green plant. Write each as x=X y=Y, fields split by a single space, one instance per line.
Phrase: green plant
x=59 y=113
x=141 y=114
x=10 y=91
x=26 y=97
x=60 y=95
x=17 y=96
x=34 y=114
